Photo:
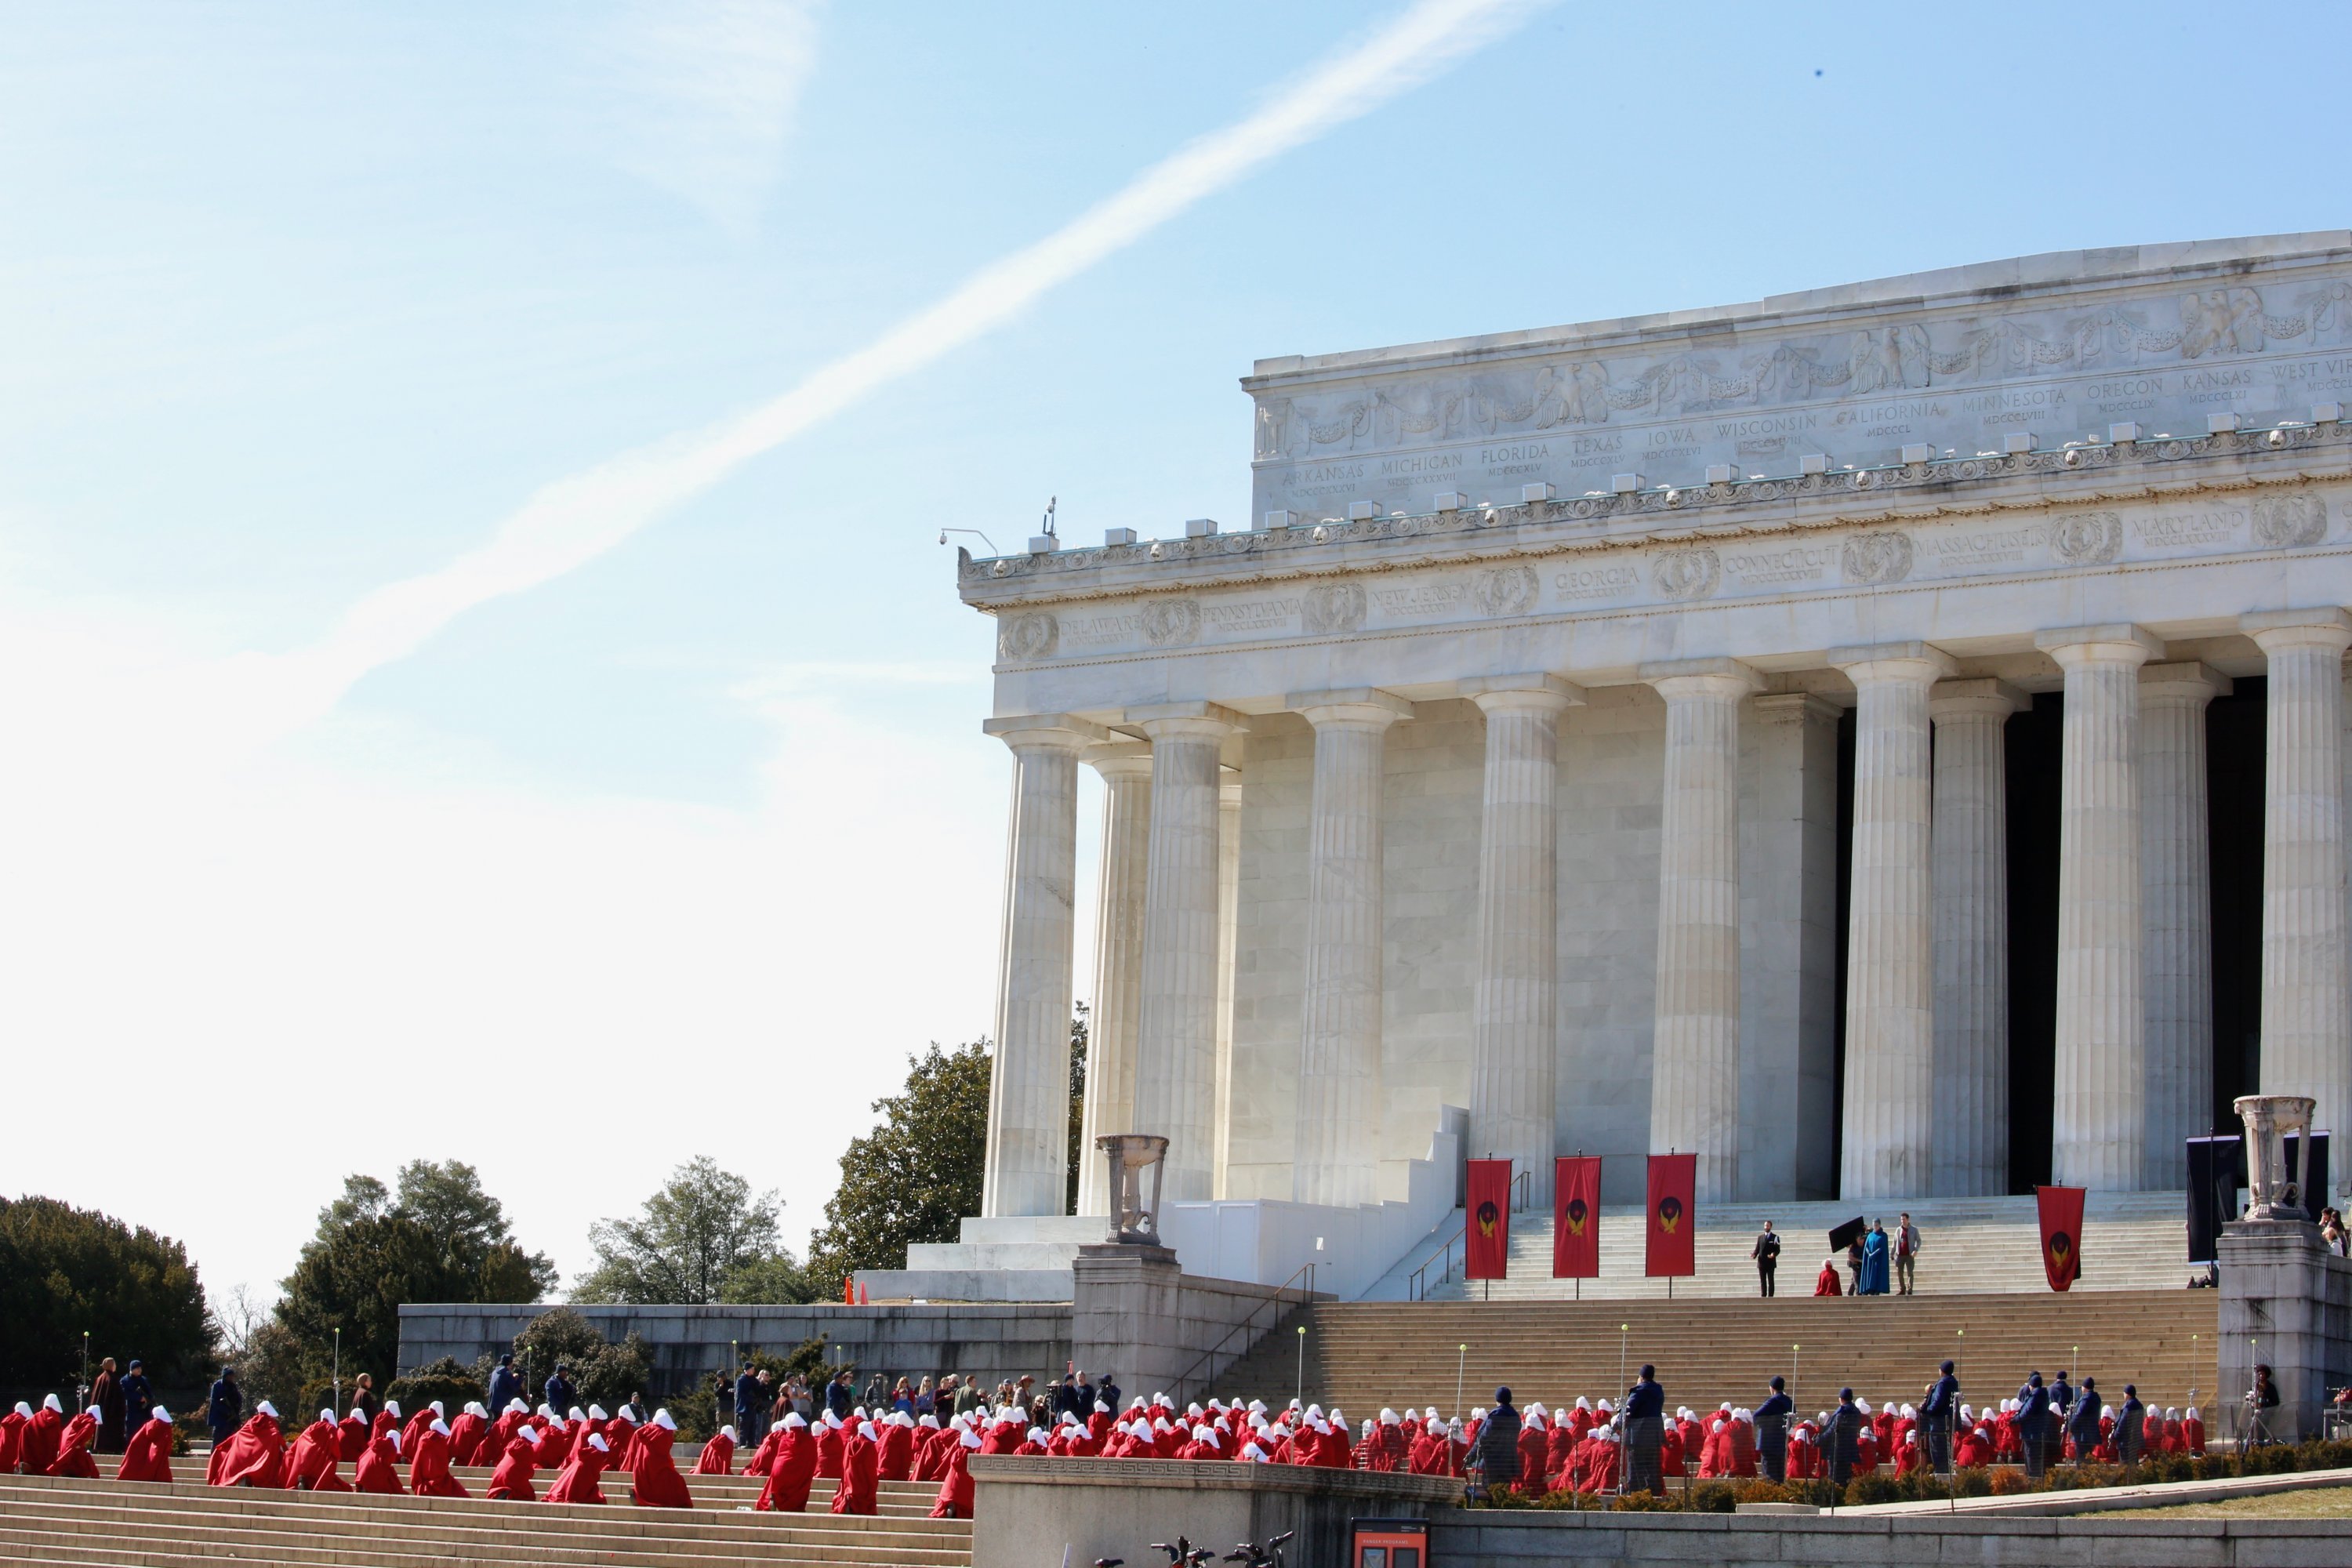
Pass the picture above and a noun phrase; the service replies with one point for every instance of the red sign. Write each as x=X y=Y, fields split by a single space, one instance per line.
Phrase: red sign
x=2061 y=1234
x=1673 y=1217
x=1487 y=1240
x=1576 y=1216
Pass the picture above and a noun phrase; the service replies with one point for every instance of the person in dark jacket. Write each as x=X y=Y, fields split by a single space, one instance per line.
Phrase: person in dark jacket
x=1937 y=1414
x=1772 y=1431
x=840 y=1395
x=2131 y=1423
x=750 y=1406
x=2083 y=1421
x=1496 y=1457
x=558 y=1391
x=1844 y=1439
x=1645 y=1429
x=224 y=1412
x=138 y=1395
x=505 y=1385
x=2033 y=1422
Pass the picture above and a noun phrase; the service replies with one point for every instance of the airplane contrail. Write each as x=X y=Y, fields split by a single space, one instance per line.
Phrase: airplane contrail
x=574 y=519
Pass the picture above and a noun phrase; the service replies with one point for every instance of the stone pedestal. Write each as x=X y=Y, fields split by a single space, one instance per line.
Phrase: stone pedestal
x=1123 y=1309
x=2286 y=1302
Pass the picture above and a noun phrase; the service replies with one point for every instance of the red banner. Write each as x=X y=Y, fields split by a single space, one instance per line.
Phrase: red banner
x=1488 y=1238
x=1576 y=1216
x=2061 y=1234
x=1673 y=1180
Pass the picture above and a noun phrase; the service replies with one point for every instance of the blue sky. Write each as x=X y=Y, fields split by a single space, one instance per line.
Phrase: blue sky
x=683 y=845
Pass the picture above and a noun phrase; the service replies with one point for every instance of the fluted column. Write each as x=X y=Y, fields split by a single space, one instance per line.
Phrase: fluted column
x=1229 y=925
x=1694 y=1066
x=1126 y=770
x=1176 y=1015
x=2176 y=893
x=2306 y=970
x=1339 y=1138
x=1968 y=1155
x=1514 y=1046
x=1026 y=1171
x=1890 y=975
x=2099 y=1099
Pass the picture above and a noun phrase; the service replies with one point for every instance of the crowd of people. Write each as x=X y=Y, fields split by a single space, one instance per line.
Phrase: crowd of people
x=1588 y=1447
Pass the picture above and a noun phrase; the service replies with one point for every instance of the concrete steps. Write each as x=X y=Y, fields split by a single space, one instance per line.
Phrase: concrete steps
x=2131 y=1241
x=49 y=1521
x=1364 y=1356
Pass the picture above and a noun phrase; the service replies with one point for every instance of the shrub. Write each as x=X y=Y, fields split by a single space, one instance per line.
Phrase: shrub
x=445 y=1380
x=604 y=1372
x=1720 y=1497
x=1643 y=1502
x=2010 y=1481
x=1766 y=1491
x=1864 y=1490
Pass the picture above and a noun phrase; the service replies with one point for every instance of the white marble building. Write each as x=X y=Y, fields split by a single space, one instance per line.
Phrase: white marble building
x=1496 y=760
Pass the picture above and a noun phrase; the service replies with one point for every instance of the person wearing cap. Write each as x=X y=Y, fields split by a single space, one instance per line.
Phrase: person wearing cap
x=379 y=1466
x=505 y=1385
x=428 y=1465
x=317 y=1448
x=1772 y=1431
x=861 y=1470
x=1496 y=1456
x=44 y=1434
x=147 y=1456
x=2083 y=1422
x=225 y=1407
x=466 y=1433
x=1645 y=1411
x=792 y=1469
x=2131 y=1427
x=898 y=1447
x=2033 y=1422
x=1936 y=1416
x=510 y=1477
x=954 y=1501
x=1841 y=1437
x=558 y=1392
x=718 y=1456
x=577 y=1481
x=74 y=1460
x=654 y=1480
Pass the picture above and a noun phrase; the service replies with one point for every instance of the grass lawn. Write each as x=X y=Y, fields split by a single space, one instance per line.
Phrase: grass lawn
x=2315 y=1502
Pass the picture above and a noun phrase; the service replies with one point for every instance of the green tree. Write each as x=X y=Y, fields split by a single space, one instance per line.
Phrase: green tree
x=700 y=1231
x=65 y=1271
x=917 y=1174
x=1079 y=1153
x=776 y=1281
x=604 y=1372
x=446 y=1199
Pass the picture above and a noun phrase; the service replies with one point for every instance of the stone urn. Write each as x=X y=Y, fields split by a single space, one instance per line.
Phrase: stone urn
x=1131 y=1155
x=2272 y=1192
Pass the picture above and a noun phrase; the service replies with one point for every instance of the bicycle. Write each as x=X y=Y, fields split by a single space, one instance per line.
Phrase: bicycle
x=1184 y=1554
x=1248 y=1555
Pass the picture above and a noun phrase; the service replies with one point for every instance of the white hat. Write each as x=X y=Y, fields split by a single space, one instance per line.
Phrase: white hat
x=926 y=1419
x=596 y=1441
x=264 y=1408
x=727 y=1433
x=435 y=1408
x=794 y=1418
x=1863 y=1405
x=474 y=1407
x=595 y=1413
x=971 y=1439
x=526 y=1433
x=832 y=1420
x=900 y=1418
x=1909 y=1412
x=1388 y=1416
x=159 y=1414
x=1314 y=1412
x=519 y=1404
x=865 y=1430
x=1140 y=1431
x=442 y=1428
x=2192 y=1414
x=392 y=1407
x=1254 y=1454
x=664 y=1420
x=1102 y=1407
x=328 y=1416
x=1039 y=1436
x=392 y=1436
x=1430 y=1414
x=50 y=1401
x=545 y=1409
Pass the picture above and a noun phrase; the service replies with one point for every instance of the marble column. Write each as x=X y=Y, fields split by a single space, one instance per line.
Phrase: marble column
x=2176 y=916
x=1339 y=1138
x=1694 y=1058
x=1126 y=770
x=1176 y=1014
x=1514 y=1048
x=2099 y=1098
x=1890 y=975
x=2306 y=970
x=1026 y=1170
x=1229 y=925
x=1969 y=1156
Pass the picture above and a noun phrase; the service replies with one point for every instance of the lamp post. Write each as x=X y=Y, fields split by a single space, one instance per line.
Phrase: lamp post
x=1795 y=1356
x=737 y=1346
x=1300 y=1391
x=85 y=1369
x=337 y=1383
x=1622 y=1329
x=1461 y=1360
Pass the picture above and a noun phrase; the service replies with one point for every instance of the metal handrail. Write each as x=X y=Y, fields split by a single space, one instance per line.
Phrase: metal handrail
x=1416 y=1288
x=1178 y=1383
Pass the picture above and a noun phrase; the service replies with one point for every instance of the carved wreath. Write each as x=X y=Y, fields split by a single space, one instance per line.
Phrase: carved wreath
x=2282 y=522
x=1508 y=591
x=2087 y=538
x=1333 y=607
x=1171 y=623
x=1031 y=636
x=1686 y=573
x=1881 y=557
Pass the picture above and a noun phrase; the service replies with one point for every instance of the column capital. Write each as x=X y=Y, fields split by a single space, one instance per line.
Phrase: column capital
x=1912 y=661
x=1165 y=721
x=1700 y=678
x=2275 y=630
x=1979 y=698
x=1366 y=705
x=1533 y=693
x=2115 y=642
x=1067 y=730
x=1120 y=758
x=2188 y=682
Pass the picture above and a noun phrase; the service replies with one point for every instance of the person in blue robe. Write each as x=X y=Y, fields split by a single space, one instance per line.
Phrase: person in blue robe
x=1873 y=1262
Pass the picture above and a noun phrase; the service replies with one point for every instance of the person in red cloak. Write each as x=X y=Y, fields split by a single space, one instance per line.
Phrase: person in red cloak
x=622 y=1434
x=12 y=1438
x=897 y=1459
x=386 y=1420
x=861 y=1470
x=512 y=1419
x=956 y=1486
x=790 y=1472
x=2192 y=1431
x=1913 y=1457
x=511 y=1480
x=718 y=1456
x=1826 y=1283
x=148 y=1456
x=356 y=1433
x=1034 y=1445
x=43 y=1436
x=1974 y=1450
x=311 y=1462
x=379 y=1466
x=254 y=1455
x=73 y=1459
x=577 y=1482
x=828 y=1447
x=416 y=1427
x=428 y=1467
x=932 y=1442
x=467 y=1432
x=655 y=1482
x=556 y=1440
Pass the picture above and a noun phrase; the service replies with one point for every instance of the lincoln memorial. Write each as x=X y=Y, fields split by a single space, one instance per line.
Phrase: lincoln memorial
x=1888 y=740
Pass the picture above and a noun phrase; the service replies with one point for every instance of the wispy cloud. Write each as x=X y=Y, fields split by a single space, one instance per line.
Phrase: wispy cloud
x=703 y=95
x=575 y=520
